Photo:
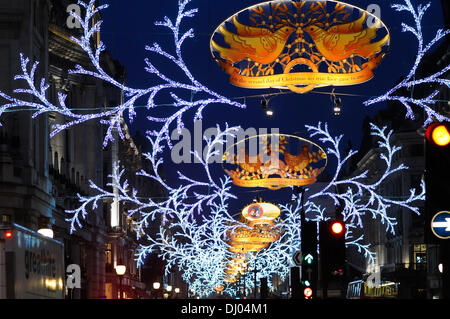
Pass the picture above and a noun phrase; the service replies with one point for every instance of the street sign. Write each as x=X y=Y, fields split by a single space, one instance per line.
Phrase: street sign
x=297 y=258
x=309 y=259
x=307 y=292
x=440 y=225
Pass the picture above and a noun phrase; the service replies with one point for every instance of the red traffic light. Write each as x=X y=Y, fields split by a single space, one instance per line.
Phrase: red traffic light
x=439 y=134
x=337 y=228
x=307 y=292
x=8 y=234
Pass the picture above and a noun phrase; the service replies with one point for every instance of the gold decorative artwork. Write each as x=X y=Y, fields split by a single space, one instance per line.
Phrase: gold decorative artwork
x=256 y=231
x=274 y=161
x=300 y=45
x=260 y=213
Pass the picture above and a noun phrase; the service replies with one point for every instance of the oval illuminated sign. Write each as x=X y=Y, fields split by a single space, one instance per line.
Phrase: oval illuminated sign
x=300 y=45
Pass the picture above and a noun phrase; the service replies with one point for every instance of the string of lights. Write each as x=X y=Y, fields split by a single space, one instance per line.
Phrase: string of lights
x=427 y=104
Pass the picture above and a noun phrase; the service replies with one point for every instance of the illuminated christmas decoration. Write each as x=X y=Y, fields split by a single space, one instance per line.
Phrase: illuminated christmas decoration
x=37 y=96
x=362 y=196
x=219 y=288
x=259 y=233
x=256 y=235
x=274 y=166
x=333 y=41
x=200 y=249
x=260 y=213
x=195 y=215
x=427 y=104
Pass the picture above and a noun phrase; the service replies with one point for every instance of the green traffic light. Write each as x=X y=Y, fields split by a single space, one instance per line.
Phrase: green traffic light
x=309 y=259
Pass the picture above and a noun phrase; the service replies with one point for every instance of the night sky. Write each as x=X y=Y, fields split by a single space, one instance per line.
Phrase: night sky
x=128 y=27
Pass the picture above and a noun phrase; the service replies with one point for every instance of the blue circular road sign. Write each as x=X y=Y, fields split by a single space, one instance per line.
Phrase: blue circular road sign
x=440 y=225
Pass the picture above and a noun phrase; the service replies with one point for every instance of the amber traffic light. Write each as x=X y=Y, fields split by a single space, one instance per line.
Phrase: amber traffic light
x=439 y=134
x=337 y=228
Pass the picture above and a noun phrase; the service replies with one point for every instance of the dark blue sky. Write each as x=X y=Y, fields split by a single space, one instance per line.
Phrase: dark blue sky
x=128 y=27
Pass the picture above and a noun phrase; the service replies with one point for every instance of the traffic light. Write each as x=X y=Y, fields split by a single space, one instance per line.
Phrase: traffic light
x=332 y=246
x=437 y=175
x=332 y=251
x=6 y=234
x=309 y=257
x=438 y=134
x=337 y=227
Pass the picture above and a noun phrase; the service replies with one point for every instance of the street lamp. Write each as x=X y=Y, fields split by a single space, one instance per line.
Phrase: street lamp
x=177 y=290
x=265 y=107
x=337 y=103
x=120 y=271
x=156 y=286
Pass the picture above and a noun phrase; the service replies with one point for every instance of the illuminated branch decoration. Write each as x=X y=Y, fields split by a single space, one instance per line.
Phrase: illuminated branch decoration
x=362 y=195
x=428 y=103
x=194 y=216
x=197 y=246
x=112 y=116
x=185 y=198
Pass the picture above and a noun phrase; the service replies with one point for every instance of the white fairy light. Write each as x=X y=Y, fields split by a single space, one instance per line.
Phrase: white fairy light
x=197 y=246
x=112 y=117
x=426 y=104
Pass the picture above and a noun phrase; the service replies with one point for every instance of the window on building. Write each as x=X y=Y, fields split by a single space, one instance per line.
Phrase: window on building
x=108 y=253
x=83 y=258
x=420 y=256
x=130 y=224
x=35 y=13
x=105 y=213
x=108 y=290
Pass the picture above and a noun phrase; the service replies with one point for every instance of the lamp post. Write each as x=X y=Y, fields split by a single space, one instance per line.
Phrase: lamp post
x=120 y=271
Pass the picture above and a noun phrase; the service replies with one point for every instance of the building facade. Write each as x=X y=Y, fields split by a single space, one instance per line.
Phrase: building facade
x=400 y=257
